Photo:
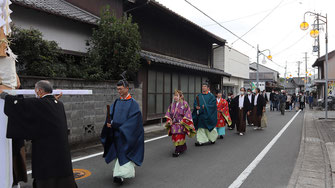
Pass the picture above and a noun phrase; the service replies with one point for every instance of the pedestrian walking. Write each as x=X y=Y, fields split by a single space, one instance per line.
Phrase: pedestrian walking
x=289 y=102
x=205 y=117
x=179 y=123
x=232 y=112
x=302 y=101
x=242 y=107
x=276 y=100
x=258 y=109
x=251 y=98
x=42 y=120
x=310 y=101
x=272 y=100
x=122 y=135
x=223 y=115
x=282 y=102
x=294 y=101
x=265 y=96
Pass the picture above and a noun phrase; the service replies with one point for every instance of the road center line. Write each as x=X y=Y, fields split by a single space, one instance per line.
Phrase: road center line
x=100 y=153
x=244 y=175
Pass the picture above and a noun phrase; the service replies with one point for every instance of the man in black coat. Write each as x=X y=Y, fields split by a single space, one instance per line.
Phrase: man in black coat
x=42 y=120
x=272 y=100
x=282 y=101
x=242 y=108
x=251 y=98
x=233 y=114
x=259 y=108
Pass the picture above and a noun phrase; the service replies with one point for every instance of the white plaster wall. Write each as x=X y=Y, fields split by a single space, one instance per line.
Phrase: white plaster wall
x=262 y=68
x=331 y=68
x=235 y=82
x=236 y=63
x=219 y=58
x=69 y=34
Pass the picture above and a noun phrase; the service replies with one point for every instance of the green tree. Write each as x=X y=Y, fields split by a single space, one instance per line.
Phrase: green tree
x=39 y=57
x=114 y=47
x=36 y=56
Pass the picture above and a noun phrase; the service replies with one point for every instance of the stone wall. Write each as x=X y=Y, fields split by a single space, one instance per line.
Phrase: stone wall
x=85 y=113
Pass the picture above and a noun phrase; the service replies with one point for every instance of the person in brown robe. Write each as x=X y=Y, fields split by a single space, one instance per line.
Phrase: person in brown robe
x=258 y=109
x=242 y=108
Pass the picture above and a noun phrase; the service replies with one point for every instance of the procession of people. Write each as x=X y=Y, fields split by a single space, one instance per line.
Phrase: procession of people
x=122 y=135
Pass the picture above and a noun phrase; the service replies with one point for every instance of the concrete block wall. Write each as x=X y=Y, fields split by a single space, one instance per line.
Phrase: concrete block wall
x=85 y=113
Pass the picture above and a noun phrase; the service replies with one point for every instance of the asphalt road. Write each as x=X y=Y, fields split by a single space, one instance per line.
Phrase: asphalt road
x=210 y=166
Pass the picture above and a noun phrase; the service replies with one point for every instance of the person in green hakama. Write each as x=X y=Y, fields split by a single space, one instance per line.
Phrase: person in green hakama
x=205 y=117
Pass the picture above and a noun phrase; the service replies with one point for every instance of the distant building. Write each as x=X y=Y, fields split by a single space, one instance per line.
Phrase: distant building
x=292 y=85
x=320 y=81
x=234 y=63
x=268 y=78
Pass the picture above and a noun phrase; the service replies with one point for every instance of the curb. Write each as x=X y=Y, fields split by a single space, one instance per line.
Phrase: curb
x=331 y=154
x=298 y=165
x=300 y=175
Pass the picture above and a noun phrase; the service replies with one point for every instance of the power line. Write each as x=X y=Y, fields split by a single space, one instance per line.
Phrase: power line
x=247 y=16
x=292 y=44
x=219 y=24
x=240 y=18
x=227 y=29
x=259 y=21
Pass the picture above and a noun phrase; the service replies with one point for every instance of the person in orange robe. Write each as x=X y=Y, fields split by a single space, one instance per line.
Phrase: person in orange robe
x=223 y=115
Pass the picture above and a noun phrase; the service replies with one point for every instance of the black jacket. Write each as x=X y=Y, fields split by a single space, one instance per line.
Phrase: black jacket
x=246 y=106
x=260 y=104
x=42 y=121
x=272 y=97
x=232 y=112
x=252 y=100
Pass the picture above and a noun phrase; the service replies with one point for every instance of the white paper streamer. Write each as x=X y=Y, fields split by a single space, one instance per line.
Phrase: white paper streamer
x=64 y=91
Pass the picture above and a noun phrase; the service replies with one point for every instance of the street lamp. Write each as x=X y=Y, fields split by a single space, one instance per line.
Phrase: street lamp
x=315 y=33
x=258 y=53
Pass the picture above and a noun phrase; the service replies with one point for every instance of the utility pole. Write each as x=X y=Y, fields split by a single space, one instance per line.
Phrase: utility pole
x=257 y=74
x=306 y=72
x=285 y=75
x=299 y=62
x=318 y=28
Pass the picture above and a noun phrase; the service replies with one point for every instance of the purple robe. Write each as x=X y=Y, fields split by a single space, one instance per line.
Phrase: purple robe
x=181 y=116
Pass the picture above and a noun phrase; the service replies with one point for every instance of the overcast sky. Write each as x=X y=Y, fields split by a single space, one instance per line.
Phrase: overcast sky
x=276 y=27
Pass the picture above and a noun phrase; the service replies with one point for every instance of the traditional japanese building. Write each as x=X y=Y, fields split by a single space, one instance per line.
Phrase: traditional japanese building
x=176 y=54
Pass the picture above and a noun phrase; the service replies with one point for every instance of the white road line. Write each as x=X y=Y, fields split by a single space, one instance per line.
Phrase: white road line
x=244 y=175
x=157 y=138
x=100 y=153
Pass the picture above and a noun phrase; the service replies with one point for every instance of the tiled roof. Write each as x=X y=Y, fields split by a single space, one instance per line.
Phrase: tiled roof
x=323 y=58
x=299 y=81
x=254 y=65
x=61 y=8
x=217 y=39
x=159 y=58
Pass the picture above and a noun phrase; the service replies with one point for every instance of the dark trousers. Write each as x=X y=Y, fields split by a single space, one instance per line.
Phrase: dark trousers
x=282 y=108
x=241 y=122
x=233 y=123
x=302 y=105
x=250 y=117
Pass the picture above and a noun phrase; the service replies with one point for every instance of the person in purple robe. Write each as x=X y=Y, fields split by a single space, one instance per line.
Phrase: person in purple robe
x=179 y=123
